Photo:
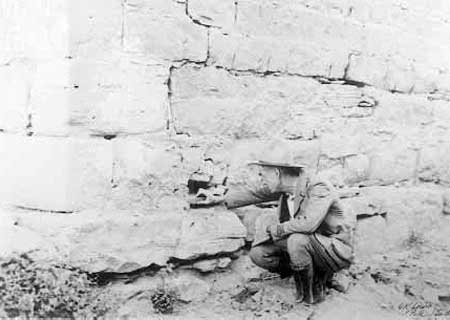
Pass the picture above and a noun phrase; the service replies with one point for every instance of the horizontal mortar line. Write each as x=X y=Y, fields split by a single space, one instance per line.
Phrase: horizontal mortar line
x=81 y=136
x=45 y=210
x=186 y=61
x=120 y=134
x=319 y=78
x=408 y=183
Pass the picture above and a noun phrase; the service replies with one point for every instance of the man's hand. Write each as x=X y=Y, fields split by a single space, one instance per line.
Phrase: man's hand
x=208 y=197
x=272 y=231
x=268 y=231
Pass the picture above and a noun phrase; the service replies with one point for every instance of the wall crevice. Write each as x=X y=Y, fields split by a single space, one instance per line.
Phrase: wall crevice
x=122 y=31
x=432 y=96
x=170 y=118
x=196 y=21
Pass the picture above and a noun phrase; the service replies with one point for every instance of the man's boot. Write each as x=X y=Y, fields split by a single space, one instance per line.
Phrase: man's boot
x=298 y=287
x=304 y=283
x=320 y=280
x=284 y=267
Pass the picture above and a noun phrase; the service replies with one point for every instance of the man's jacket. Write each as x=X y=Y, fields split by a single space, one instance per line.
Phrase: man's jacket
x=316 y=209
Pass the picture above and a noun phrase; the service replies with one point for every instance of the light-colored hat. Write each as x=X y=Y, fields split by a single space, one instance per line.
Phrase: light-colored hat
x=278 y=164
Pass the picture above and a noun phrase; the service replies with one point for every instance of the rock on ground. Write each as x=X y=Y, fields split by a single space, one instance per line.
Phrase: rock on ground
x=114 y=241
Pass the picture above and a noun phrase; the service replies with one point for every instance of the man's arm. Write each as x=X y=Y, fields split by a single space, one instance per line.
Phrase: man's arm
x=262 y=183
x=259 y=185
x=315 y=207
x=256 y=184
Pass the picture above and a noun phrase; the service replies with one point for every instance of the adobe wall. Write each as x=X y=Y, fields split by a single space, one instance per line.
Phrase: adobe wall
x=111 y=104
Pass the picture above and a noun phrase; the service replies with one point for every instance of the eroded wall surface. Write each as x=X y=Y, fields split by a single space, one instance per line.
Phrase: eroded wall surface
x=111 y=104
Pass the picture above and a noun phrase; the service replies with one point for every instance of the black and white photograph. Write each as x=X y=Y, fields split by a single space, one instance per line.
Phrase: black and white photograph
x=225 y=159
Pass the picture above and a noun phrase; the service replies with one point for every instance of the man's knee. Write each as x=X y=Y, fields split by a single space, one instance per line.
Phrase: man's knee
x=299 y=251
x=263 y=259
x=255 y=255
x=297 y=241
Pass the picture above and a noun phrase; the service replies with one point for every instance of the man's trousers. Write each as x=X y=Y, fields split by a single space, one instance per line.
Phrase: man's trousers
x=303 y=250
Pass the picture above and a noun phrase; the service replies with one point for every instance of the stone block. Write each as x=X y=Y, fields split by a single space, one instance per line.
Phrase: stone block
x=16 y=79
x=147 y=173
x=391 y=163
x=402 y=62
x=409 y=210
x=356 y=169
x=208 y=232
x=237 y=154
x=96 y=28
x=441 y=116
x=99 y=98
x=166 y=24
x=242 y=52
x=434 y=163
x=214 y=102
x=348 y=101
x=209 y=265
x=320 y=49
x=17 y=239
x=33 y=29
x=359 y=41
x=343 y=142
x=55 y=174
x=366 y=206
x=332 y=170
x=390 y=14
x=50 y=98
x=109 y=240
x=394 y=218
x=370 y=238
x=126 y=243
x=402 y=111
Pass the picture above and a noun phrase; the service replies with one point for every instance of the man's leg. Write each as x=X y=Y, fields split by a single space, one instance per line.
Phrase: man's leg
x=299 y=249
x=325 y=258
x=313 y=255
x=266 y=256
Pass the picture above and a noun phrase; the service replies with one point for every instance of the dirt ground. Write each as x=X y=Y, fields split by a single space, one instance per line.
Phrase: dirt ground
x=409 y=283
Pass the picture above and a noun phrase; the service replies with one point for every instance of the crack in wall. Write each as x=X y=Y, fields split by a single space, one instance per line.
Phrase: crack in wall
x=344 y=80
x=42 y=210
x=276 y=73
x=29 y=120
x=208 y=46
x=170 y=118
x=122 y=31
x=349 y=61
x=319 y=78
x=29 y=126
x=196 y=21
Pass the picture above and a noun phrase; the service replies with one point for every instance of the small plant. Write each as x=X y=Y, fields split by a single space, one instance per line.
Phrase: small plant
x=32 y=290
x=164 y=301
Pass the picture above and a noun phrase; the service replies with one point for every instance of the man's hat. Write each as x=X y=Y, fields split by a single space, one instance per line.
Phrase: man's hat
x=278 y=164
x=283 y=165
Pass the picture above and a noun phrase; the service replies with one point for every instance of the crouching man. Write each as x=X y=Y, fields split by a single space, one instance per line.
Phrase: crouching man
x=310 y=236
